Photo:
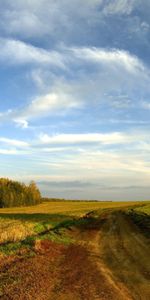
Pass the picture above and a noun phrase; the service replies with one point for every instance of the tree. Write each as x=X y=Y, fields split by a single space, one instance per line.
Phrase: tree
x=14 y=193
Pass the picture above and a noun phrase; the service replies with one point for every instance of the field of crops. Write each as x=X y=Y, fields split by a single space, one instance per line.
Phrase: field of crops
x=66 y=207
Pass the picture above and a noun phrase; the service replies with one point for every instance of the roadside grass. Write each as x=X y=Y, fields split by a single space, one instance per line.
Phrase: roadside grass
x=145 y=208
x=57 y=233
x=28 y=245
x=19 y=231
x=141 y=217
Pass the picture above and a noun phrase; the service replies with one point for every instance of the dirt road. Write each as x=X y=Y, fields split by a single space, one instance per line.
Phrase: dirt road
x=108 y=260
x=125 y=252
x=124 y=256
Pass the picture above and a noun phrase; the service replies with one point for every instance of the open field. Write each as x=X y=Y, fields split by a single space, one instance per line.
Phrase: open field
x=75 y=250
x=18 y=223
x=68 y=207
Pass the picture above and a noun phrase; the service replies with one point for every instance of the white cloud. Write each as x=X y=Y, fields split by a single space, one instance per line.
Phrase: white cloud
x=13 y=147
x=108 y=164
x=12 y=142
x=111 y=57
x=47 y=104
x=106 y=139
x=17 y=52
x=21 y=123
x=113 y=73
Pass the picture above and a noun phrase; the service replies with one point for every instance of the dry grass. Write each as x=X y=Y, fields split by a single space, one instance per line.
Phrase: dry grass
x=14 y=230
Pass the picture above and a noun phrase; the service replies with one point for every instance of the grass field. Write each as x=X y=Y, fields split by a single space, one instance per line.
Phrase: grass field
x=75 y=250
x=18 y=223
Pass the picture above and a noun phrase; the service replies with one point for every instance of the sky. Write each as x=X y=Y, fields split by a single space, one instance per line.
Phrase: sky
x=75 y=97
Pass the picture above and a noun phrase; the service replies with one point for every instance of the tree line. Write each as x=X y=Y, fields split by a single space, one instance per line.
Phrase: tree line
x=14 y=193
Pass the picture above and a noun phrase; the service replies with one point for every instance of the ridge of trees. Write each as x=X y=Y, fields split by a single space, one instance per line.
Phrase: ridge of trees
x=14 y=193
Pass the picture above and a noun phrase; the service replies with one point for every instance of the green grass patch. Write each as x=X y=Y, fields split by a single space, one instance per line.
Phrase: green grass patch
x=10 y=248
x=60 y=237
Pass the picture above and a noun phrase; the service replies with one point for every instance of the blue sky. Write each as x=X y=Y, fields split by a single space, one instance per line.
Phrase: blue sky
x=75 y=97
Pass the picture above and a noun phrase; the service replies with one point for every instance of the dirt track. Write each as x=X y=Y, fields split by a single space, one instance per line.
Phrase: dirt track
x=110 y=260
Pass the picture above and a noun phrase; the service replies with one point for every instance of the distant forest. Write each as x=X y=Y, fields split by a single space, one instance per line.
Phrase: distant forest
x=14 y=193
